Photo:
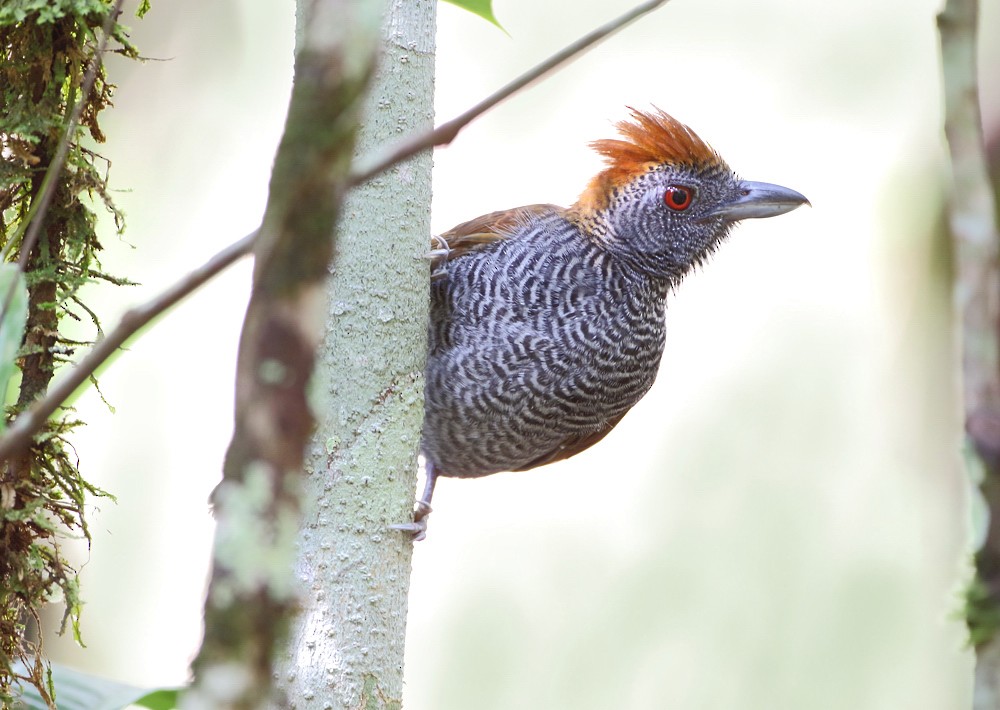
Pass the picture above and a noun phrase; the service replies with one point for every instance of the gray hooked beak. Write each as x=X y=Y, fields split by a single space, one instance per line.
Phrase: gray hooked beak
x=760 y=199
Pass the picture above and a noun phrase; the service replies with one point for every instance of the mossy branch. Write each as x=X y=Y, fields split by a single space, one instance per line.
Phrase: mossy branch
x=976 y=244
x=52 y=90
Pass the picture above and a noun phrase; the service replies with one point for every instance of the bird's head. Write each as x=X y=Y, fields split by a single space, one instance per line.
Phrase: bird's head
x=666 y=199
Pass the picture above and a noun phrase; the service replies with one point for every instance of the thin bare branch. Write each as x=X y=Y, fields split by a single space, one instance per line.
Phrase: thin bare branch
x=446 y=132
x=31 y=420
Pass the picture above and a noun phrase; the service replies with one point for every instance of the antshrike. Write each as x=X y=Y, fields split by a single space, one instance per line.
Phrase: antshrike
x=547 y=323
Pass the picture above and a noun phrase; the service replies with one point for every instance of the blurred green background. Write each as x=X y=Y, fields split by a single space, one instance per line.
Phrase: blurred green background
x=781 y=524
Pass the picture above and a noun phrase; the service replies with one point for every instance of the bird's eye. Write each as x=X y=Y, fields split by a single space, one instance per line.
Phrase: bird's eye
x=678 y=197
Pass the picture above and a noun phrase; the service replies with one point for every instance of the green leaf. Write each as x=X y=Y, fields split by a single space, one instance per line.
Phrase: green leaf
x=160 y=700
x=76 y=690
x=483 y=8
x=12 y=326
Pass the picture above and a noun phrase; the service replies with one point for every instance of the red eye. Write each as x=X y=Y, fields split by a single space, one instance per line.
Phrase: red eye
x=678 y=197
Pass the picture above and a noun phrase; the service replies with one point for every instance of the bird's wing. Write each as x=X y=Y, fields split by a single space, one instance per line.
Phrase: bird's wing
x=573 y=445
x=482 y=231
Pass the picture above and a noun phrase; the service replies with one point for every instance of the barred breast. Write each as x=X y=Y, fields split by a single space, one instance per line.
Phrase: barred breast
x=539 y=343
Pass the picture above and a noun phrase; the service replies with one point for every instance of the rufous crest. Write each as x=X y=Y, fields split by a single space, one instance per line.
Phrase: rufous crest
x=648 y=140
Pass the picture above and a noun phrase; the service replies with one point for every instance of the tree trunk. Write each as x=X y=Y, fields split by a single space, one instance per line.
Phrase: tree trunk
x=346 y=648
x=251 y=597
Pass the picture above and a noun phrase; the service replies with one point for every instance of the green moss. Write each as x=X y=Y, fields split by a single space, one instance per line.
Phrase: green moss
x=47 y=48
x=982 y=613
x=43 y=11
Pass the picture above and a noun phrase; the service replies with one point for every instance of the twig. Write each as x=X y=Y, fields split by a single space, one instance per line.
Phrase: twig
x=18 y=436
x=31 y=420
x=40 y=206
x=446 y=132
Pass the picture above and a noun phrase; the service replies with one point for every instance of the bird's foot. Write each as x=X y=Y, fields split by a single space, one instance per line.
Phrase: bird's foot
x=418 y=527
x=439 y=255
x=422 y=508
x=439 y=248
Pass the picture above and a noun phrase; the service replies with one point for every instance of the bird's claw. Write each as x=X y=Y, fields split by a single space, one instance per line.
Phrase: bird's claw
x=417 y=530
x=440 y=250
x=418 y=527
x=436 y=255
x=439 y=245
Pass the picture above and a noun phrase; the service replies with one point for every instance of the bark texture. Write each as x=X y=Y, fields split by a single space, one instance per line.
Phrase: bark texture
x=252 y=597
x=347 y=644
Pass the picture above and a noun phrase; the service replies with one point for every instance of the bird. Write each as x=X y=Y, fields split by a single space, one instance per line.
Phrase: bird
x=547 y=324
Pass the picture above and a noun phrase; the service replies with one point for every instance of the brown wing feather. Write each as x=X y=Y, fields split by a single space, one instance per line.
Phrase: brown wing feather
x=483 y=230
x=573 y=445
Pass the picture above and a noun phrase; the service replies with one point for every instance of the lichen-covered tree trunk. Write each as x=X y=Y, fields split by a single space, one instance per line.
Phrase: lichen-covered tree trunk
x=251 y=597
x=346 y=649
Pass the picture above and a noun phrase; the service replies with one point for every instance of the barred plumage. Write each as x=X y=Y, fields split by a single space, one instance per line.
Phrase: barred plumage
x=531 y=346
x=547 y=324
